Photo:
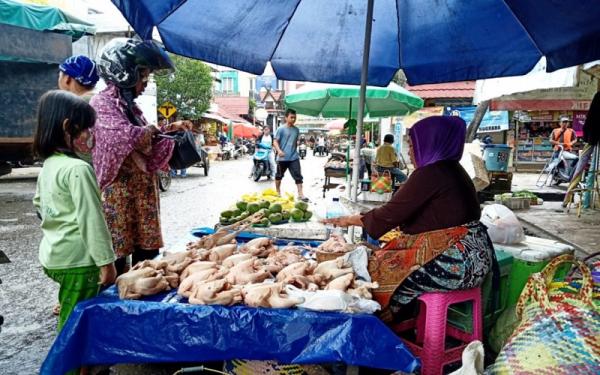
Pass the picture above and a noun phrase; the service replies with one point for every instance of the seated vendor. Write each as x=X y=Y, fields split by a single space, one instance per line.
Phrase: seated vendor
x=438 y=206
x=387 y=160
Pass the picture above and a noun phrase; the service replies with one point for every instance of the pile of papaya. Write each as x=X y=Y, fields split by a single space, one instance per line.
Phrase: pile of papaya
x=275 y=209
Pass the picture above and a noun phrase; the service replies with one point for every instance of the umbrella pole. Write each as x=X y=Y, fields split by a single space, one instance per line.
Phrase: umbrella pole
x=361 y=101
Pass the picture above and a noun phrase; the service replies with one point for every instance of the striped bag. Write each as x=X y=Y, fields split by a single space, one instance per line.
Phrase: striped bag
x=559 y=331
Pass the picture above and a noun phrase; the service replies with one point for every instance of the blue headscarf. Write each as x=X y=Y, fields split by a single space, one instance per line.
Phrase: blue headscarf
x=81 y=69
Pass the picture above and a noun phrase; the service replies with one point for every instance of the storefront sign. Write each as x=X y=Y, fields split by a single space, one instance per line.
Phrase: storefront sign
x=578 y=121
x=409 y=120
x=493 y=121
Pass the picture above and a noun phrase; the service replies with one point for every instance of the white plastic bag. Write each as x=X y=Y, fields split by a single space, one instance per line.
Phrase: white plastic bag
x=332 y=300
x=502 y=224
x=472 y=360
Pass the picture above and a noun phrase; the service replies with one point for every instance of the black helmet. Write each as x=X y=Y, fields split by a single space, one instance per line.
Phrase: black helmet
x=122 y=59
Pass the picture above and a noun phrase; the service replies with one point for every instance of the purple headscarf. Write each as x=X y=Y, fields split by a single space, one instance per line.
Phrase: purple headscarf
x=438 y=138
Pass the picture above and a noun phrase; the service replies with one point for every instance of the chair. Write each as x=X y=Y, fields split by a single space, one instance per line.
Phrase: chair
x=432 y=329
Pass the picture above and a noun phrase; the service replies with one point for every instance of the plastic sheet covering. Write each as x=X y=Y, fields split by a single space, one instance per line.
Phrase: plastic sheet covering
x=107 y=330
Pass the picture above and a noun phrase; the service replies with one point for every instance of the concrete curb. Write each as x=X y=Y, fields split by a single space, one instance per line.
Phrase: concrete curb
x=551 y=235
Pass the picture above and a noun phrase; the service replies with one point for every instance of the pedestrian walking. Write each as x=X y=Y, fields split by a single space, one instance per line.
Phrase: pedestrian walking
x=286 y=144
x=76 y=249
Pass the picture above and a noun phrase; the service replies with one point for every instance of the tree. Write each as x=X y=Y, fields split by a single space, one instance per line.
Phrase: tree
x=189 y=88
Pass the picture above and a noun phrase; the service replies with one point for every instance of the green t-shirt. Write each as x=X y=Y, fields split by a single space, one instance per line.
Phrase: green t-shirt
x=75 y=232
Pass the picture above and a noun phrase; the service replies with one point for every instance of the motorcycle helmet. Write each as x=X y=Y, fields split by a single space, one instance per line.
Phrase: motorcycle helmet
x=122 y=59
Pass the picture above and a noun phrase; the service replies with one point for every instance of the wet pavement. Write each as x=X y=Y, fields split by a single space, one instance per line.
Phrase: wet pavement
x=27 y=295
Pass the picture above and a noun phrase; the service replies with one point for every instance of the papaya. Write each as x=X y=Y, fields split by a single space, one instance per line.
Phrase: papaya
x=297 y=214
x=227 y=214
x=275 y=208
x=275 y=218
x=301 y=206
x=286 y=215
x=307 y=215
x=241 y=205
x=253 y=208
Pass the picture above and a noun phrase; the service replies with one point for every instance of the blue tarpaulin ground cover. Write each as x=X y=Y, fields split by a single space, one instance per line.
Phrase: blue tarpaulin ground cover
x=165 y=328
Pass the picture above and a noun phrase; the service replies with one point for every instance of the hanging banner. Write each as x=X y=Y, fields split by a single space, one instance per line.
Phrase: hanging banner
x=493 y=121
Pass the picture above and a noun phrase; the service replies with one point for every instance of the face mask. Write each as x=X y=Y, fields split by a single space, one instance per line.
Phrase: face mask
x=83 y=145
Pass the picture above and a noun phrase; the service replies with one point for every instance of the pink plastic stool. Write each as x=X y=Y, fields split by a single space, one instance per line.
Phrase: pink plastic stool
x=433 y=328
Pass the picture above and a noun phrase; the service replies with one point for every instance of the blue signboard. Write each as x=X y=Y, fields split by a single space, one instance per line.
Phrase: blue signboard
x=398 y=137
x=493 y=121
x=268 y=82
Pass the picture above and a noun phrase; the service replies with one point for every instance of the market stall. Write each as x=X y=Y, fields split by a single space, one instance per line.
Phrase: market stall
x=166 y=327
x=335 y=167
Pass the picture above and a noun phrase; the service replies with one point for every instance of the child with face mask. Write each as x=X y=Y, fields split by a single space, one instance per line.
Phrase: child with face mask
x=76 y=248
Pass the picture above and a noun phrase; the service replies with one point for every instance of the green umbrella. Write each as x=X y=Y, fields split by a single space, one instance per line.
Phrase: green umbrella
x=342 y=101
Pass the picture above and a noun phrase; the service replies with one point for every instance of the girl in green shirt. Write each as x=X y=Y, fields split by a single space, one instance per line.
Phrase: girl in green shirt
x=76 y=249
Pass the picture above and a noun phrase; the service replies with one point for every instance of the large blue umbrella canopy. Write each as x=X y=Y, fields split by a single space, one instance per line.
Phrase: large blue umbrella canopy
x=431 y=40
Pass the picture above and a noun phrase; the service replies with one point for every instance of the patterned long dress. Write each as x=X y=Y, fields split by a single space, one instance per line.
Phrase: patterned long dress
x=126 y=160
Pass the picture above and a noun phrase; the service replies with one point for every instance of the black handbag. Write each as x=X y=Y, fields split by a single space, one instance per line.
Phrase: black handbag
x=185 y=153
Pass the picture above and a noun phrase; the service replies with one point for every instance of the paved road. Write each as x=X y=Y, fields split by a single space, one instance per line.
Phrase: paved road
x=27 y=295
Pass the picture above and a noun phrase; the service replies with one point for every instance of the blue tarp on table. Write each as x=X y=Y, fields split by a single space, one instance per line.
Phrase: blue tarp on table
x=161 y=328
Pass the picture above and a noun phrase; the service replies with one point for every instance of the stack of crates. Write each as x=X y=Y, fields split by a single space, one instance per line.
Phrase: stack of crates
x=459 y=315
x=517 y=262
x=531 y=256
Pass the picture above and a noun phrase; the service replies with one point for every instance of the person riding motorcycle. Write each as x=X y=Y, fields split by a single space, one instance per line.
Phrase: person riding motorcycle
x=265 y=141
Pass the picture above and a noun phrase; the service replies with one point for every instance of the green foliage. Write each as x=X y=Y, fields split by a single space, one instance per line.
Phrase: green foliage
x=189 y=88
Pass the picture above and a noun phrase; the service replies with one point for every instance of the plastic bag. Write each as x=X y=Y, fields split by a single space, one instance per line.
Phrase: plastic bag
x=332 y=300
x=472 y=360
x=502 y=224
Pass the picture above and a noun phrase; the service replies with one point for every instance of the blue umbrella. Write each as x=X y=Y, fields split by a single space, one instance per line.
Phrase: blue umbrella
x=321 y=41
x=431 y=40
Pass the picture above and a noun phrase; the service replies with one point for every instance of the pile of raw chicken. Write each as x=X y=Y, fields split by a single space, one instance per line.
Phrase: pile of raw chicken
x=215 y=271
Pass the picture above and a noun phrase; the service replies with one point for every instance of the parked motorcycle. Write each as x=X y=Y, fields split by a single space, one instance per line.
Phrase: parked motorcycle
x=228 y=150
x=559 y=169
x=250 y=147
x=567 y=161
x=302 y=150
x=262 y=166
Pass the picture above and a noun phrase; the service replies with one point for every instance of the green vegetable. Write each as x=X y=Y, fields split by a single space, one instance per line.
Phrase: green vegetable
x=241 y=205
x=275 y=208
x=301 y=206
x=286 y=215
x=275 y=218
x=244 y=215
x=227 y=214
x=264 y=212
x=265 y=221
x=223 y=220
x=253 y=208
x=297 y=214
x=307 y=215
x=264 y=204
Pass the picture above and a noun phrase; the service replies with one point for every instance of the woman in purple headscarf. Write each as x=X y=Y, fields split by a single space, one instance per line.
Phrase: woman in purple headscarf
x=442 y=245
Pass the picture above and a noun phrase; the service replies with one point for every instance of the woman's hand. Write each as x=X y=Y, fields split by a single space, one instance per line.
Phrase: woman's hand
x=108 y=274
x=179 y=125
x=345 y=221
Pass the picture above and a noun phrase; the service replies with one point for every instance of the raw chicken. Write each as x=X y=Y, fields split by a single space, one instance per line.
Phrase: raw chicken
x=197 y=266
x=246 y=272
x=285 y=257
x=294 y=269
x=259 y=247
x=141 y=282
x=336 y=244
x=162 y=266
x=220 y=253
x=209 y=274
x=341 y=283
x=362 y=289
x=302 y=282
x=223 y=235
x=234 y=259
x=217 y=292
x=268 y=295
x=272 y=265
x=333 y=269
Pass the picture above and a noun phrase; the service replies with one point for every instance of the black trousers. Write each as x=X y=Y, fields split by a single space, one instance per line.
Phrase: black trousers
x=138 y=255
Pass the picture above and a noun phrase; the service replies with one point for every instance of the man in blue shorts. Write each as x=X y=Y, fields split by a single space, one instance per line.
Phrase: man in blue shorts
x=286 y=143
